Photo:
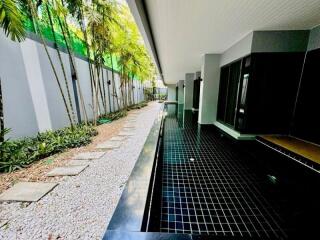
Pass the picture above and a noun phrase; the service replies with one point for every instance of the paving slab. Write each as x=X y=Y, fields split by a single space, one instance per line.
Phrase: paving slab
x=118 y=138
x=131 y=121
x=126 y=133
x=66 y=171
x=27 y=191
x=129 y=125
x=75 y=162
x=109 y=145
x=128 y=129
x=88 y=155
x=3 y=222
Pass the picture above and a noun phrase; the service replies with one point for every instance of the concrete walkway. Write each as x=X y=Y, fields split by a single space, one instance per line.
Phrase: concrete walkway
x=80 y=207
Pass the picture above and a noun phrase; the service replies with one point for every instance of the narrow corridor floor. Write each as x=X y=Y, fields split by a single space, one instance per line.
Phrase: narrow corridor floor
x=207 y=188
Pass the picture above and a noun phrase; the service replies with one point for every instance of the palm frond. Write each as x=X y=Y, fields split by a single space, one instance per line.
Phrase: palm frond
x=11 y=19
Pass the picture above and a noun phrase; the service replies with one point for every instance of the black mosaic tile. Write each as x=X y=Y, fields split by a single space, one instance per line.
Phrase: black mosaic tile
x=208 y=189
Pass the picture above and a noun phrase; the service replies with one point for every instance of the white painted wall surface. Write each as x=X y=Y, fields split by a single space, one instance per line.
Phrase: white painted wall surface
x=32 y=100
x=19 y=113
x=209 y=88
x=171 y=92
x=238 y=50
x=36 y=85
x=58 y=112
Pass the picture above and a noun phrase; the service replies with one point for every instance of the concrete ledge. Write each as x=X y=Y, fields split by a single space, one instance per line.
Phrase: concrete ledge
x=133 y=205
x=233 y=133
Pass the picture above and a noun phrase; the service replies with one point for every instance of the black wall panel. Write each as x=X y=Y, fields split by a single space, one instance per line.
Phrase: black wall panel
x=231 y=105
x=272 y=84
x=196 y=93
x=272 y=91
x=223 y=88
x=307 y=114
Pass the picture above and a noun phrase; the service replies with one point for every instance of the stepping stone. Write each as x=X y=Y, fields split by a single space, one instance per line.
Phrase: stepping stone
x=118 y=138
x=75 y=162
x=125 y=133
x=27 y=191
x=89 y=155
x=66 y=171
x=128 y=129
x=3 y=222
x=129 y=125
x=109 y=145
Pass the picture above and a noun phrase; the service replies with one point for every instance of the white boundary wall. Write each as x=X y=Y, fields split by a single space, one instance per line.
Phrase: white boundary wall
x=31 y=98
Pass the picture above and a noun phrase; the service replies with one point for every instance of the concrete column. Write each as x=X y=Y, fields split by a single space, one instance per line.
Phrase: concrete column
x=197 y=75
x=171 y=92
x=209 y=88
x=188 y=91
x=180 y=91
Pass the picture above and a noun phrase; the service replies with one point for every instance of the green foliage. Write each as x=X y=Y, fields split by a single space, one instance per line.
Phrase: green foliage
x=11 y=19
x=139 y=105
x=115 y=115
x=148 y=93
x=120 y=114
x=18 y=154
x=109 y=25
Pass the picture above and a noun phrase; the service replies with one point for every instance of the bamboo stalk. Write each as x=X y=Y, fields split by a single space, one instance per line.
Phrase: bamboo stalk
x=72 y=60
x=61 y=64
x=38 y=31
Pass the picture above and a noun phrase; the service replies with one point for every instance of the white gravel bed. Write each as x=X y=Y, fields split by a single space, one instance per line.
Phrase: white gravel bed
x=80 y=207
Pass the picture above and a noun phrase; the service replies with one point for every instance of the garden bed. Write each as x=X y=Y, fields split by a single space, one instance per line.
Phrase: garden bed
x=37 y=170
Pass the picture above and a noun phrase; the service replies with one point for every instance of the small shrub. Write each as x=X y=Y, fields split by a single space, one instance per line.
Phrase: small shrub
x=17 y=154
x=139 y=105
x=113 y=116
x=106 y=118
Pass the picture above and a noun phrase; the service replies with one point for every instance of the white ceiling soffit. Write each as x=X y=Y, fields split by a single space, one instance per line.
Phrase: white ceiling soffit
x=183 y=30
x=137 y=9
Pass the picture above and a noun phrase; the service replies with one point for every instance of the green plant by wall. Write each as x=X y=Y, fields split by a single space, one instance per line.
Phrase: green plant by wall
x=17 y=154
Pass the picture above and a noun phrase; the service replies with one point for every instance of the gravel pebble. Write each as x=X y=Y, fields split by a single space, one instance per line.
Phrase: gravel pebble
x=81 y=207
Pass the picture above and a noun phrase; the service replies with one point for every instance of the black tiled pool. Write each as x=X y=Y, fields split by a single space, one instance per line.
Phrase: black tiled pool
x=207 y=187
x=193 y=182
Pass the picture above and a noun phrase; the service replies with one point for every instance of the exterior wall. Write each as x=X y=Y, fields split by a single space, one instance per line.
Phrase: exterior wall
x=19 y=112
x=59 y=117
x=238 y=50
x=32 y=100
x=36 y=80
x=279 y=41
x=85 y=86
x=171 y=92
x=268 y=41
x=188 y=91
x=314 y=39
x=209 y=88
